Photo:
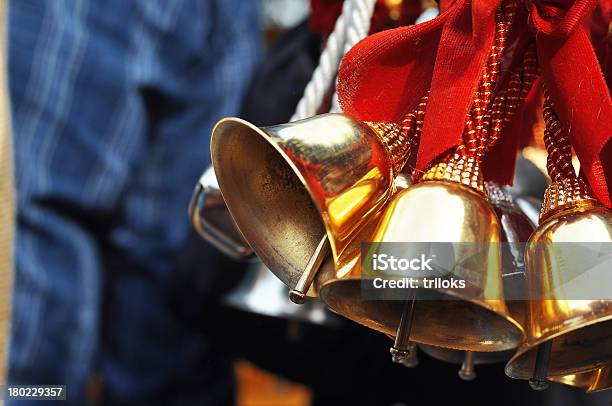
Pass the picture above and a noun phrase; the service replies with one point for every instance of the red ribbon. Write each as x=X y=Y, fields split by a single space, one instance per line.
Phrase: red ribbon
x=324 y=13
x=385 y=75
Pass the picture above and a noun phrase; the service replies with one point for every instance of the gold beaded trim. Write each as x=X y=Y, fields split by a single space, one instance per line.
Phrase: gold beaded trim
x=458 y=168
x=564 y=194
x=395 y=142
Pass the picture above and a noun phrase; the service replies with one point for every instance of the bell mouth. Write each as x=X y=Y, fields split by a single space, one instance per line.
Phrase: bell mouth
x=582 y=348
x=267 y=198
x=457 y=357
x=580 y=380
x=440 y=319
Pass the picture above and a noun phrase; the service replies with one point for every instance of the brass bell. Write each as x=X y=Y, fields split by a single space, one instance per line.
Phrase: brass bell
x=305 y=187
x=516 y=229
x=592 y=381
x=472 y=319
x=568 y=321
x=566 y=335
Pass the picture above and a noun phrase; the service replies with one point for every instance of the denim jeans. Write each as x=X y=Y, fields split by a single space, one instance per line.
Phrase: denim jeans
x=112 y=106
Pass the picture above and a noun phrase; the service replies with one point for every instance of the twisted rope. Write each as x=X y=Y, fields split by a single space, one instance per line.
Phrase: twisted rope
x=359 y=20
x=352 y=26
x=326 y=70
x=558 y=146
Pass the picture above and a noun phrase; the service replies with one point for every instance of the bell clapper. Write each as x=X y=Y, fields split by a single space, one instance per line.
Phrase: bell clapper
x=539 y=382
x=413 y=356
x=467 y=371
x=403 y=351
x=298 y=294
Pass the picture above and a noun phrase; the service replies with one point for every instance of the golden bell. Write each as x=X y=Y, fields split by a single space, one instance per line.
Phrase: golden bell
x=516 y=229
x=292 y=187
x=592 y=381
x=472 y=319
x=565 y=336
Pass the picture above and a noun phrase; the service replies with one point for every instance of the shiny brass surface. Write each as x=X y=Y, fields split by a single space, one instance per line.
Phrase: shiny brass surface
x=580 y=330
x=516 y=229
x=458 y=357
x=460 y=169
x=602 y=380
x=286 y=186
x=592 y=381
x=581 y=380
x=435 y=212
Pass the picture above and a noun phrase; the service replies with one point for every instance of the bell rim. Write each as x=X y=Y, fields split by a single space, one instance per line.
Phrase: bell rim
x=480 y=357
x=527 y=347
x=216 y=153
x=579 y=384
x=322 y=288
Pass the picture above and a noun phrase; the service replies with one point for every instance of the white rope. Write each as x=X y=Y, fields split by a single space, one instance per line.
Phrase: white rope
x=360 y=18
x=428 y=14
x=352 y=26
x=326 y=70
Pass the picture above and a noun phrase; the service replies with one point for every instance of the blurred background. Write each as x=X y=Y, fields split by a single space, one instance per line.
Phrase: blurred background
x=115 y=294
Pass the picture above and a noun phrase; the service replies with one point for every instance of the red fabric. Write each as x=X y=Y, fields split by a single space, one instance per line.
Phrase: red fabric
x=384 y=76
x=324 y=13
x=602 y=37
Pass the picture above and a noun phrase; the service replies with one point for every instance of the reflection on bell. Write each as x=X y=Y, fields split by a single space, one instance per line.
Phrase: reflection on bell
x=602 y=380
x=290 y=186
x=213 y=222
x=516 y=229
x=461 y=319
x=574 y=334
x=592 y=381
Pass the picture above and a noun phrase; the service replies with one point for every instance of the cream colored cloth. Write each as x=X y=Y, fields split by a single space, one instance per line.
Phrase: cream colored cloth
x=6 y=200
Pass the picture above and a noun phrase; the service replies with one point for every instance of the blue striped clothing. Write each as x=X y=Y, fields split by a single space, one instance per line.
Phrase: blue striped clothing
x=112 y=106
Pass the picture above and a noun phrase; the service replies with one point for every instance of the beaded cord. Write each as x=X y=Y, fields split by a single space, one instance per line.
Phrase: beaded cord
x=488 y=114
x=566 y=189
x=556 y=141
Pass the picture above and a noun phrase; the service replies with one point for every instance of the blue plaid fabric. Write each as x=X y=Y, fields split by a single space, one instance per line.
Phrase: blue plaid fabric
x=113 y=103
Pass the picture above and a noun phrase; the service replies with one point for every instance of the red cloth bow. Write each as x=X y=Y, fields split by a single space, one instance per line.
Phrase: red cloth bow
x=384 y=76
